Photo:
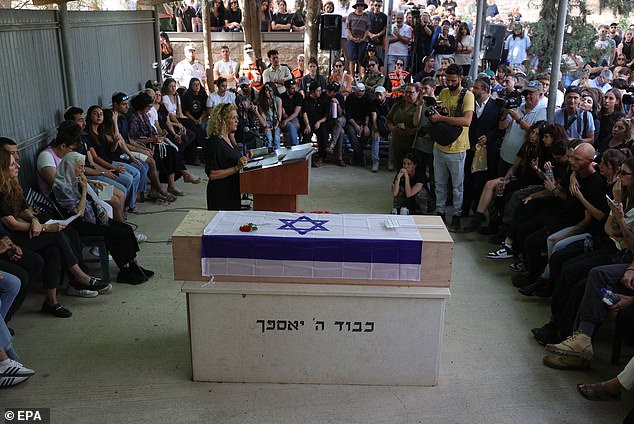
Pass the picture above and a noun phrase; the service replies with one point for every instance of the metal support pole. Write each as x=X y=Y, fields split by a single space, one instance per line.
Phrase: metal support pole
x=388 y=29
x=556 y=59
x=480 y=25
x=69 y=66
x=158 y=68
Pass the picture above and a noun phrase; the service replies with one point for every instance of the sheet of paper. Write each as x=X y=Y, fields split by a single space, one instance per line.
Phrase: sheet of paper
x=66 y=221
x=106 y=193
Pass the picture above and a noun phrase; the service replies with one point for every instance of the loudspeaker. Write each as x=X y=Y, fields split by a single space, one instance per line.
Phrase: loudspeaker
x=493 y=43
x=330 y=31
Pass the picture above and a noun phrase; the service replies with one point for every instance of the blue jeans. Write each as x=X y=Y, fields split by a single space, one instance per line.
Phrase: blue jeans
x=446 y=165
x=290 y=133
x=9 y=288
x=143 y=169
x=273 y=136
x=356 y=51
x=135 y=176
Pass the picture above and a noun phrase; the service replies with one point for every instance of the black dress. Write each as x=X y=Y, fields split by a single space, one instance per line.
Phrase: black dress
x=223 y=194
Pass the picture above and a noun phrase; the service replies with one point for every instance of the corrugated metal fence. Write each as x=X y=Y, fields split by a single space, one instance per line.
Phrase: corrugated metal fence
x=111 y=51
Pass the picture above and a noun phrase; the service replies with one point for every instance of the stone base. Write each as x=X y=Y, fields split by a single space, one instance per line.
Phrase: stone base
x=325 y=334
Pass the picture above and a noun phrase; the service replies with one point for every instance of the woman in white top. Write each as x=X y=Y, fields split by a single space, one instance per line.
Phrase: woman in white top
x=221 y=95
x=185 y=128
x=464 y=48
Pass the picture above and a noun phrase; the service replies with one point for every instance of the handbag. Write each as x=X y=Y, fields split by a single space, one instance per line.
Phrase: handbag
x=479 y=159
x=443 y=133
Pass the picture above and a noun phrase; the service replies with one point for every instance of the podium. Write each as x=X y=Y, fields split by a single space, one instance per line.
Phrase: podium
x=275 y=188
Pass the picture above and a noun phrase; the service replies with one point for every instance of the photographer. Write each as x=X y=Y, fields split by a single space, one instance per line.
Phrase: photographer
x=517 y=121
x=423 y=31
x=449 y=160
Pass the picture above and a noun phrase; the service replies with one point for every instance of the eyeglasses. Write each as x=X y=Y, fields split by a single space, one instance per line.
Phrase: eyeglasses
x=338 y=66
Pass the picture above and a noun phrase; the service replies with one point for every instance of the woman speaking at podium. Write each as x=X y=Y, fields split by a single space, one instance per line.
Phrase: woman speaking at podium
x=223 y=160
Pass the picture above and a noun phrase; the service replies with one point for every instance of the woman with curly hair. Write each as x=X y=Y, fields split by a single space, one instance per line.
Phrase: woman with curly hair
x=223 y=160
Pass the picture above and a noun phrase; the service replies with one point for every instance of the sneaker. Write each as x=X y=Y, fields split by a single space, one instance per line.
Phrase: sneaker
x=11 y=381
x=394 y=211
x=561 y=362
x=12 y=368
x=94 y=251
x=455 y=225
x=375 y=167
x=578 y=345
x=390 y=166
x=100 y=286
x=404 y=211
x=504 y=252
x=140 y=237
x=517 y=266
x=56 y=310
x=81 y=291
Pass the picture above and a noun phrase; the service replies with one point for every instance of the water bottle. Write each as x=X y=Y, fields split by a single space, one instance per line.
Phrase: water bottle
x=404 y=210
x=550 y=175
x=609 y=298
x=499 y=190
x=333 y=110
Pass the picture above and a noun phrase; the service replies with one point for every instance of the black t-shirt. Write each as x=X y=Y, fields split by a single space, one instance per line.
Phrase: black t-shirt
x=378 y=22
x=410 y=202
x=224 y=193
x=100 y=148
x=290 y=103
x=195 y=103
x=592 y=187
x=5 y=210
x=232 y=16
x=297 y=20
x=282 y=19
x=316 y=109
x=359 y=108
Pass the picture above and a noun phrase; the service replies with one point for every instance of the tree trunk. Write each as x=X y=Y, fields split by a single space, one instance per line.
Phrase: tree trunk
x=311 y=33
x=251 y=25
x=208 y=59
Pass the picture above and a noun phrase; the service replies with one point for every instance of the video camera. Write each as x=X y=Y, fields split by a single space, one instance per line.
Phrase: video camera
x=510 y=100
x=433 y=107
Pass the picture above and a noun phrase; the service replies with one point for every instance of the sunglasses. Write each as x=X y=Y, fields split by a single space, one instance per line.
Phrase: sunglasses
x=338 y=66
x=398 y=64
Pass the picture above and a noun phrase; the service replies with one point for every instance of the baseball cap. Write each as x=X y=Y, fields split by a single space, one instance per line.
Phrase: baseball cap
x=289 y=82
x=534 y=86
x=248 y=48
x=244 y=80
x=189 y=47
x=379 y=89
x=360 y=86
x=573 y=89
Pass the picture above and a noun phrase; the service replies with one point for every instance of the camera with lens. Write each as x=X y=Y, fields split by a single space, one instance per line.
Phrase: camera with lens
x=626 y=99
x=415 y=12
x=433 y=107
x=510 y=100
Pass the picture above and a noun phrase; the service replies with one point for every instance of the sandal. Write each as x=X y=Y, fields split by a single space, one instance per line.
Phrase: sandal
x=155 y=195
x=175 y=191
x=596 y=392
x=169 y=197
x=341 y=163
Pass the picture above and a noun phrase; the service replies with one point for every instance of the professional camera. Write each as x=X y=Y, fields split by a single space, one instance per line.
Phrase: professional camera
x=626 y=99
x=510 y=100
x=415 y=12
x=433 y=107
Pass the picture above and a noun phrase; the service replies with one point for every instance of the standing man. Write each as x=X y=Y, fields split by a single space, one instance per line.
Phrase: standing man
x=578 y=123
x=298 y=73
x=189 y=68
x=315 y=114
x=359 y=106
x=226 y=68
x=276 y=73
x=251 y=68
x=517 y=123
x=604 y=47
x=358 y=26
x=399 y=37
x=449 y=160
x=378 y=24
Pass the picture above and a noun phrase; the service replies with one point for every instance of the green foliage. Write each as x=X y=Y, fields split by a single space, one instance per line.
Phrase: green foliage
x=619 y=7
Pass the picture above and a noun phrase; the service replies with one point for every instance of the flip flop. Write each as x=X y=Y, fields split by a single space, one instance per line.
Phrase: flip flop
x=596 y=392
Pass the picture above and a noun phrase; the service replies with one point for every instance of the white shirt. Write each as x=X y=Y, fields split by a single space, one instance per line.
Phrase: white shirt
x=185 y=71
x=214 y=99
x=479 y=108
x=399 y=48
x=229 y=67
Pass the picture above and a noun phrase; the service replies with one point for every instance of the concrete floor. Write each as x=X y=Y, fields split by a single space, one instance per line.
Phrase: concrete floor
x=124 y=357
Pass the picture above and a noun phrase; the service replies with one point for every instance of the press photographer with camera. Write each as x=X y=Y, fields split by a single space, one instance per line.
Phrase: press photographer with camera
x=422 y=30
x=449 y=159
x=517 y=120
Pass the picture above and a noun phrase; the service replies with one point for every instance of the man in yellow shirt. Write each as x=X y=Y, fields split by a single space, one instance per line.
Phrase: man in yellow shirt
x=449 y=160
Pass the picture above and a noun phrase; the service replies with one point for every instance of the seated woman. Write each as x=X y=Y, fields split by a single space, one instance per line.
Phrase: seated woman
x=223 y=160
x=233 y=17
x=194 y=103
x=67 y=140
x=75 y=196
x=190 y=136
x=100 y=156
x=409 y=194
x=48 y=240
x=620 y=138
x=270 y=110
x=344 y=80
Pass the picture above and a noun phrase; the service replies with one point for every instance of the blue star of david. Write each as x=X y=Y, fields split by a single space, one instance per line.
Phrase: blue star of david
x=316 y=225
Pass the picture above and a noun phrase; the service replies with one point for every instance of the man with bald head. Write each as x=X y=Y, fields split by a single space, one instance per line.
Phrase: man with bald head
x=577 y=201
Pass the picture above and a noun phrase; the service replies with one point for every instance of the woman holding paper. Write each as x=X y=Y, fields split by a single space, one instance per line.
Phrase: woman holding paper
x=46 y=239
x=223 y=160
x=75 y=196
